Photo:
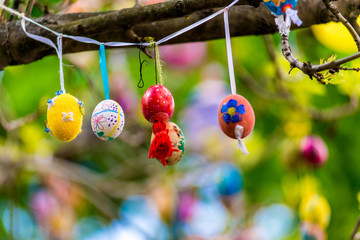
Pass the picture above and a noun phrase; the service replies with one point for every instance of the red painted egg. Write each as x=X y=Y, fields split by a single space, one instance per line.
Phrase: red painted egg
x=157 y=103
x=236 y=110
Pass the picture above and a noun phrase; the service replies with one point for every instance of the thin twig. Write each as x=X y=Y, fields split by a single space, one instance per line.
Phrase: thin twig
x=15 y=7
x=336 y=112
x=15 y=124
x=80 y=175
x=28 y=14
x=279 y=81
x=314 y=70
x=99 y=190
x=357 y=226
x=325 y=115
x=349 y=69
x=335 y=64
x=3 y=12
x=334 y=10
x=25 y=6
x=272 y=54
x=132 y=35
x=308 y=68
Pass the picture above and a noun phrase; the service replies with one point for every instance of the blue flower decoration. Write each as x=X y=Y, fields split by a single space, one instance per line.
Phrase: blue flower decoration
x=232 y=111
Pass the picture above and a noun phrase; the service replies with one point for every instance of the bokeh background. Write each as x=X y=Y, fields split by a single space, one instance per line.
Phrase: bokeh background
x=89 y=189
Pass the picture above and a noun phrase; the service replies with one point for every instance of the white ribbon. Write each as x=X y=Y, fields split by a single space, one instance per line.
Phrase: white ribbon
x=60 y=55
x=38 y=38
x=239 y=131
x=292 y=14
x=47 y=41
x=194 y=25
x=111 y=44
x=285 y=24
x=229 y=52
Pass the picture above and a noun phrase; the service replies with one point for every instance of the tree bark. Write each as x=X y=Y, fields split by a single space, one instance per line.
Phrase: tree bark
x=248 y=17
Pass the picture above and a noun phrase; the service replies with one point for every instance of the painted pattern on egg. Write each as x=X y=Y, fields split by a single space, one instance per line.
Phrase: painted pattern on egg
x=236 y=110
x=178 y=143
x=107 y=120
x=279 y=7
x=157 y=103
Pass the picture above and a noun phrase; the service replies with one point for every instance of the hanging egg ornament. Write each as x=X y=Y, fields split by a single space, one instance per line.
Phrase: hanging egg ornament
x=229 y=180
x=312 y=231
x=314 y=150
x=107 y=121
x=279 y=7
x=315 y=209
x=283 y=8
x=178 y=143
x=64 y=116
x=234 y=111
x=157 y=103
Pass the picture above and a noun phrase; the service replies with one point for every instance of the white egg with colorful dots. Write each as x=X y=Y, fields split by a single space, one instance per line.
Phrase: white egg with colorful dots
x=107 y=120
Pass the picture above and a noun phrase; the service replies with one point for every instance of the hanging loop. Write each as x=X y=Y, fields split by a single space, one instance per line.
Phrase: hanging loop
x=141 y=62
x=104 y=73
x=60 y=55
x=229 y=51
x=239 y=131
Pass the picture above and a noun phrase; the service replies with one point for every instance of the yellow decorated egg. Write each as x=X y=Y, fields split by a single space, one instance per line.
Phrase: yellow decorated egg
x=315 y=209
x=107 y=121
x=64 y=116
x=178 y=143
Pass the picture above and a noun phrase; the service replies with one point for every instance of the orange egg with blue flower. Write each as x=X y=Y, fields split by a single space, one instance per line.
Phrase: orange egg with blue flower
x=279 y=7
x=236 y=110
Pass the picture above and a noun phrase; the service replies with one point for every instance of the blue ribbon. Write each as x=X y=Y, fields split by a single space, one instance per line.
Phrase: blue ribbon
x=103 y=69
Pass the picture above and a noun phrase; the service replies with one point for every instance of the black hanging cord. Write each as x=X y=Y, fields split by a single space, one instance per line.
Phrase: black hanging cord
x=141 y=81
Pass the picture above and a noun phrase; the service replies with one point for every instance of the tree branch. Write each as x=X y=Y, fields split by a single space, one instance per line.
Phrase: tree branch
x=334 y=66
x=283 y=93
x=329 y=5
x=307 y=67
x=158 y=20
x=15 y=124
x=357 y=226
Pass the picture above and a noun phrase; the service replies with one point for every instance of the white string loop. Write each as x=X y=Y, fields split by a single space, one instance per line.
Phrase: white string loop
x=47 y=41
x=110 y=44
x=60 y=55
x=284 y=22
x=37 y=37
x=239 y=131
x=293 y=15
x=196 y=24
x=229 y=51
